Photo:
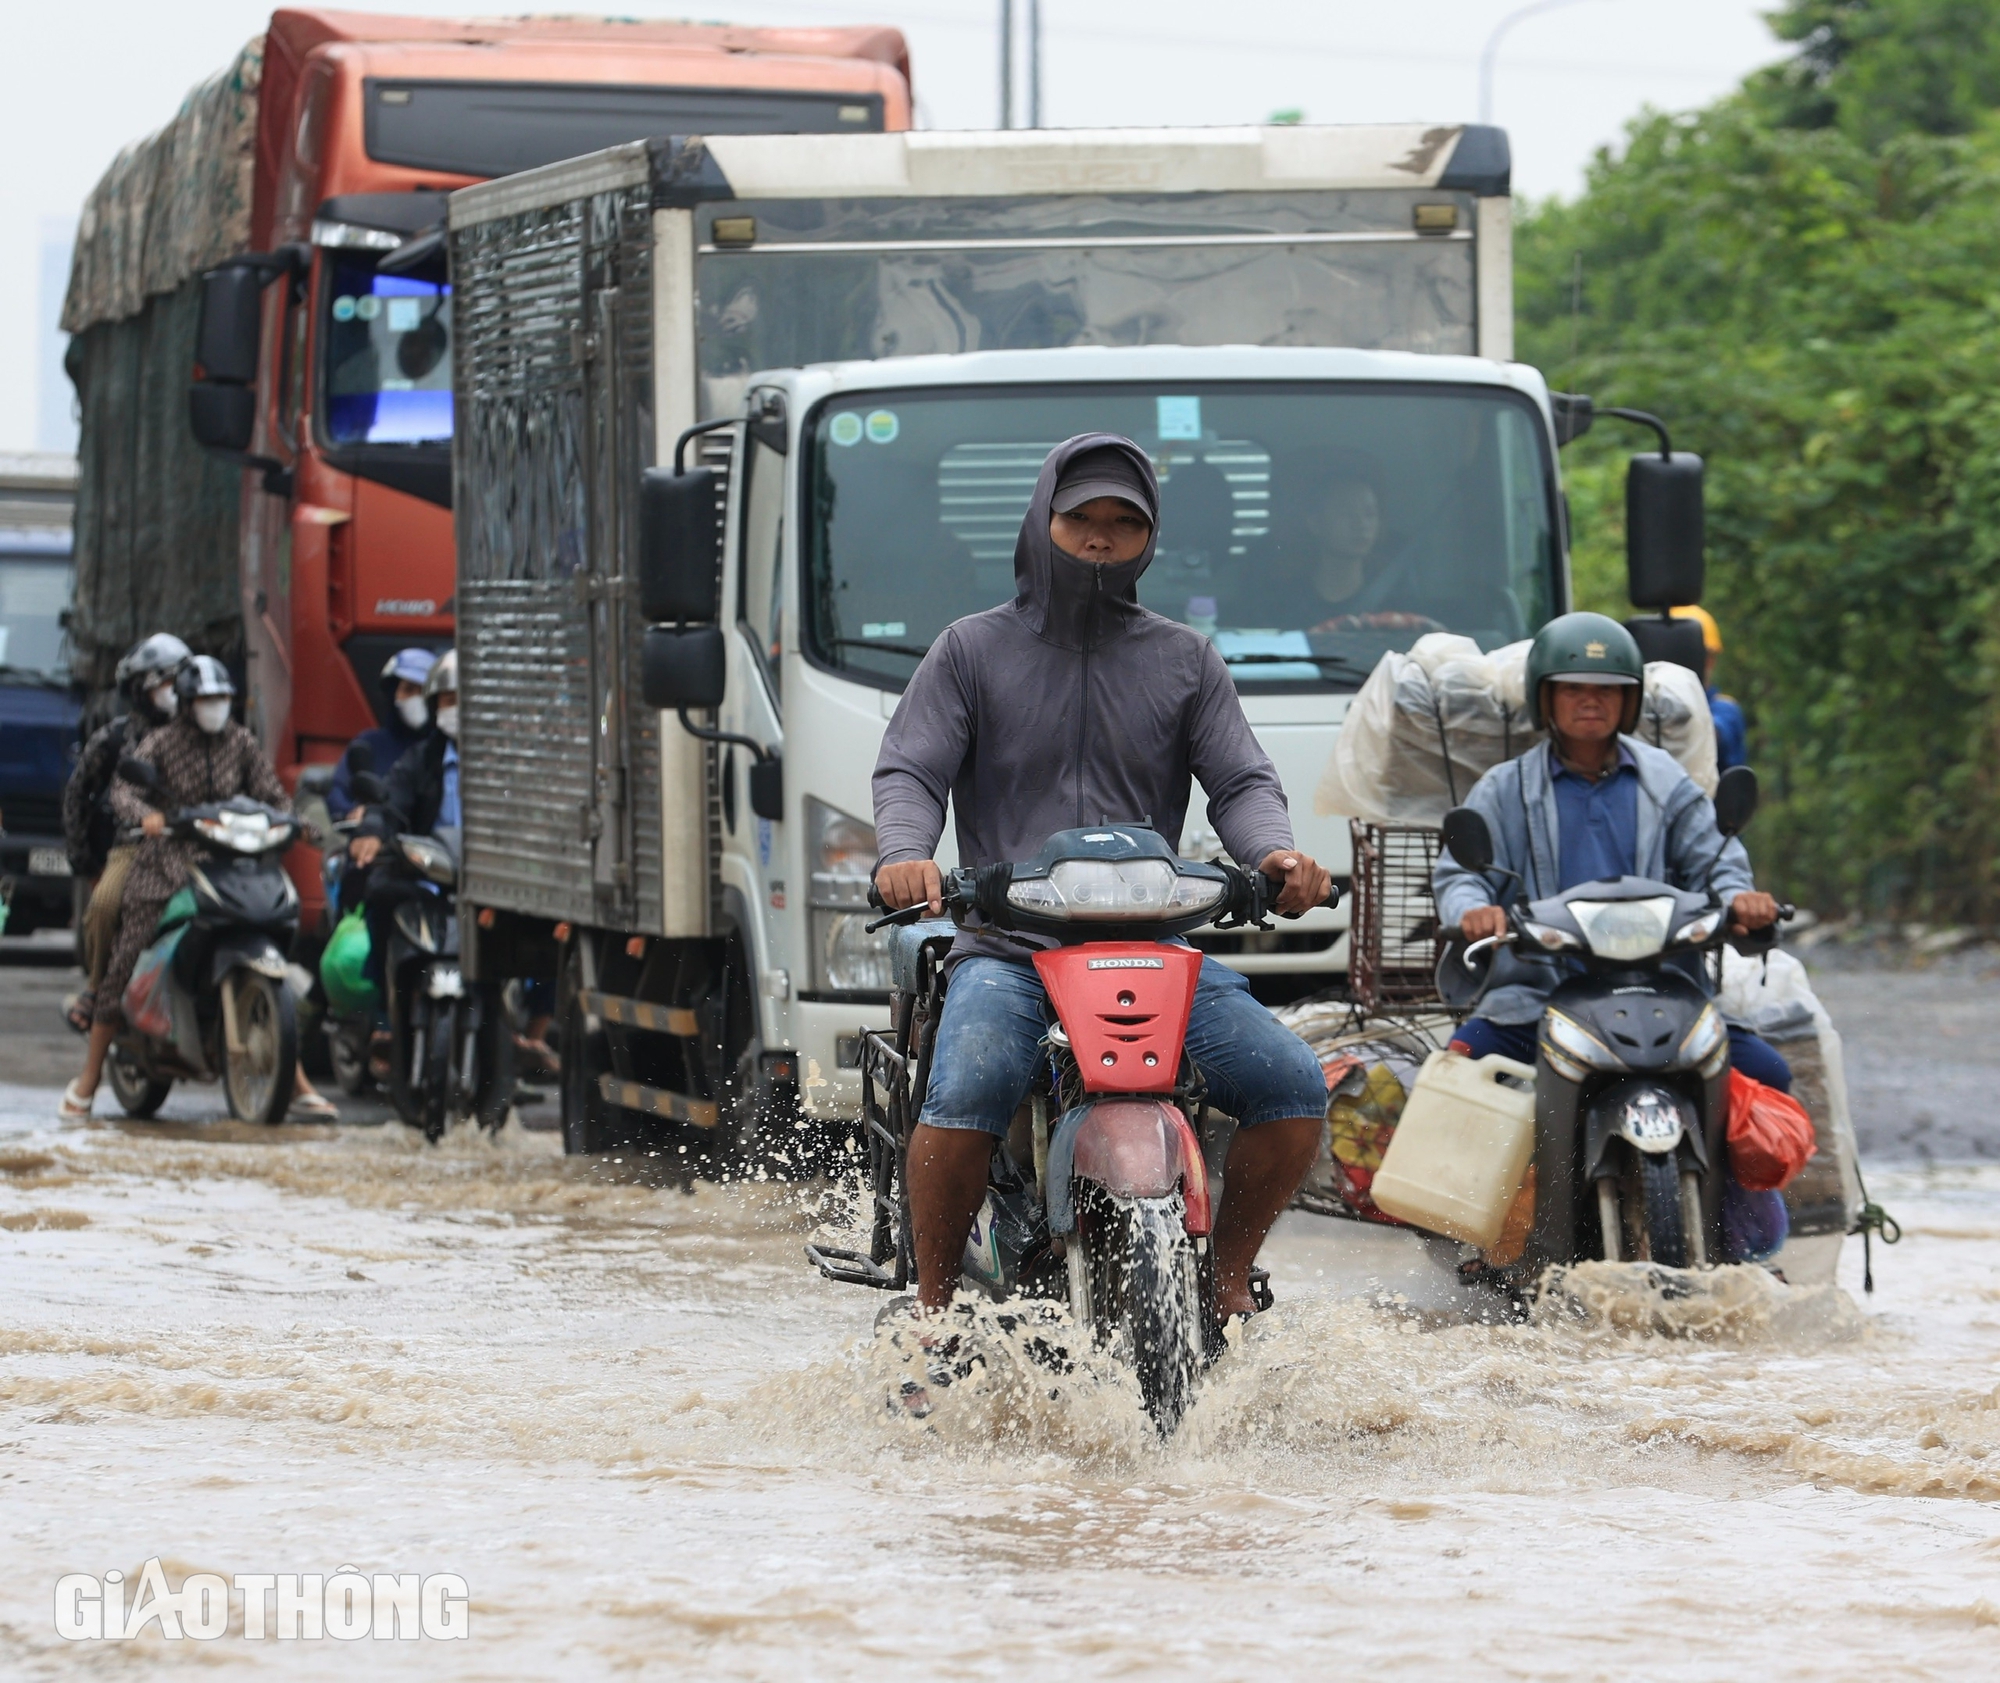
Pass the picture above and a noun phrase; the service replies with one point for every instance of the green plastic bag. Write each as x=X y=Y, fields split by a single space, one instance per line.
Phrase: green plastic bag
x=177 y=911
x=343 y=968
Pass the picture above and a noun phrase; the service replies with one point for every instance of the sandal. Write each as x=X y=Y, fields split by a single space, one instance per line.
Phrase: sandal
x=313 y=1107
x=78 y=1009
x=74 y=1106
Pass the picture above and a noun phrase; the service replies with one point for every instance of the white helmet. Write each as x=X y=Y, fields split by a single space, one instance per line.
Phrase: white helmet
x=151 y=660
x=204 y=675
x=444 y=675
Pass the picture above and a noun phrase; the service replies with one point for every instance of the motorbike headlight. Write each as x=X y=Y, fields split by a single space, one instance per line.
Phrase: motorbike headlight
x=845 y=957
x=1548 y=937
x=1577 y=1043
x=430 y=858
x=1624 y=929
x=1697 y=930
x=243 y=832
x=1111 y=891
x=1706 y=1042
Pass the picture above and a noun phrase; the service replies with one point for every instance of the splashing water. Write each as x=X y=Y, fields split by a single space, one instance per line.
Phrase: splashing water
x=655 y=1443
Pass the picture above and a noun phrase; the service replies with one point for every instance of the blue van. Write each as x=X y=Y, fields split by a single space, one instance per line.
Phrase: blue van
x=38 y=724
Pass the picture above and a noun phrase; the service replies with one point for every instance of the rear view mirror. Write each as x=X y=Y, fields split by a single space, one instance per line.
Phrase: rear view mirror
x=1675 y=640
x=1468 y=838
x=680 y=547
x=1735 y=800
x=232 y=323
x=1664 y=530
x=683 y=666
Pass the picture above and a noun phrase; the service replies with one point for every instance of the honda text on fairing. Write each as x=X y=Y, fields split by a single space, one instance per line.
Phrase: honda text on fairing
x=1104 y=1200
x=1632 y=1061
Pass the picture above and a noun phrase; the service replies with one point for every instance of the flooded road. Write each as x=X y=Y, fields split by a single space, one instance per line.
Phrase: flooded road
x=654 y=1445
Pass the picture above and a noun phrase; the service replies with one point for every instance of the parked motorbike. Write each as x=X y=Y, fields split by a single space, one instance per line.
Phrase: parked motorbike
x=1632 y=1057
x=208 y=999
x=451 y=1043
x=1101 y=1196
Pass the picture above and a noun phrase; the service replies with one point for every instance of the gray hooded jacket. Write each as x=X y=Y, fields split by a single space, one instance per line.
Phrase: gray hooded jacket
x=1070 y=705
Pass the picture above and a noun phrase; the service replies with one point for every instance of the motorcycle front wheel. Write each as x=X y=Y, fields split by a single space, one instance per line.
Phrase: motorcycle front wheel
x=258 y=1079
x=439 y=1046
x=137 y=1095
x=1143 y=1282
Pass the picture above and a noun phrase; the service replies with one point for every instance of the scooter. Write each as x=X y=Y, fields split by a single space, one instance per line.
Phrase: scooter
x=1632 y=1057
x=208 y=999
x=1101 y=1196
x=451 y=1043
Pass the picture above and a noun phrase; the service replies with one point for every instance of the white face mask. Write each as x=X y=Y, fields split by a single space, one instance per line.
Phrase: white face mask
x=448 y=720
x=212 y=712
x=413 y=712
x=165 y=701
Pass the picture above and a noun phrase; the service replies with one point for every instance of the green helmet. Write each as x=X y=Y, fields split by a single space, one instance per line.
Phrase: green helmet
x=1589 y=649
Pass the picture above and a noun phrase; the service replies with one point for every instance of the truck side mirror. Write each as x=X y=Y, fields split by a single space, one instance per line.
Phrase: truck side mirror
x=682 y=666
x=680 y=549
x=1735 y=800
x=1676 y=640
x=1468 y=838
x=231 y=328
x=1664 y=558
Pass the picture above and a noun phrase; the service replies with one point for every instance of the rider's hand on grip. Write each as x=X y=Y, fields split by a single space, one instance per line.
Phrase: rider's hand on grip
x=914 y=882
x=1307 y=883
x=154 y=824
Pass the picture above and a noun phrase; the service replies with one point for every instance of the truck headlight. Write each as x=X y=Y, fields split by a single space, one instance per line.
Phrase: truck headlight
x=845 y=957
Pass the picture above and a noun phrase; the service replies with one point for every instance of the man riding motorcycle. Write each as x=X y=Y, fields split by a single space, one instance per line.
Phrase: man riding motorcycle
x=1597 y=802
x=201 y=756
x=145 y=677
x=1073 y=705
x=403 y=680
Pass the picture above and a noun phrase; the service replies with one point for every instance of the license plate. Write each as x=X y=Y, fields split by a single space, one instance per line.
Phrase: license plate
x=47 y=862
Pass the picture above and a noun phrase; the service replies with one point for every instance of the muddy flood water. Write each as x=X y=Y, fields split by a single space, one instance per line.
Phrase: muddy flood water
x=653 y=1444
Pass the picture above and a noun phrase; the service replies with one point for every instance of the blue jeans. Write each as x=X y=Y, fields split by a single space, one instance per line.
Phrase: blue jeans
x=1754 y=1224
x=995 y=1013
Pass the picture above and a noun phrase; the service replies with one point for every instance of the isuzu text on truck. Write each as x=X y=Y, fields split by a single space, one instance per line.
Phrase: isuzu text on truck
x=315 y=536
x=744 y=422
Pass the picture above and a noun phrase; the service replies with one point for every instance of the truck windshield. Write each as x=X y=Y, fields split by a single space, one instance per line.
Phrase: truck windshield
x=1307 y=529
x=34 y=592
x=387 y=354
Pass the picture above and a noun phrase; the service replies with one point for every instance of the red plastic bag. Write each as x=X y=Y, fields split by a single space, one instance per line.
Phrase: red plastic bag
x=149 y=1006
x=1770 y=1135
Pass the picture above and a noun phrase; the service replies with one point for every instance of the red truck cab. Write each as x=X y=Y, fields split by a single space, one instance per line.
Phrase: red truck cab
x=342 y=384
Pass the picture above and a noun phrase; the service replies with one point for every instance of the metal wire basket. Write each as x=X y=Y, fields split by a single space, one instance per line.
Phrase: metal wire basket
x=1394 y=944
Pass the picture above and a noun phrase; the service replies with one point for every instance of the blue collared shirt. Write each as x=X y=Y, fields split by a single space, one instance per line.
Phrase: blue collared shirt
x=1597 y=822
x=448 y=812
x=1731 y=741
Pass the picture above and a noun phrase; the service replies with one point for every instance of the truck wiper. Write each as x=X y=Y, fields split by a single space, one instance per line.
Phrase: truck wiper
x=909 y=649
x=1331 y=663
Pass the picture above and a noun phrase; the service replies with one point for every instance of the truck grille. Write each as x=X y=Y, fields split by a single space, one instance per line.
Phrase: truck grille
x=31 y=815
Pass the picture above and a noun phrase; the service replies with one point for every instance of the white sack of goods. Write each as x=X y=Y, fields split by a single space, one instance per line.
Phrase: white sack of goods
x=1427 y=724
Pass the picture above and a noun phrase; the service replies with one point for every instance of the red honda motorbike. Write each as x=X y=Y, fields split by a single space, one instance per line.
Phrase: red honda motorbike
x=1100 y=1194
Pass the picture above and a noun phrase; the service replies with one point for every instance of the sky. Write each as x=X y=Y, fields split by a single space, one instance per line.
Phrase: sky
x=81 y=79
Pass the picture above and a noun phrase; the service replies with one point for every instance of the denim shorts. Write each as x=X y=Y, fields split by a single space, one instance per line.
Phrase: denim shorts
x=995 y=1013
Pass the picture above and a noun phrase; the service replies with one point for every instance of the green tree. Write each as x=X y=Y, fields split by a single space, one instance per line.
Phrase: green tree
x=1808 y=290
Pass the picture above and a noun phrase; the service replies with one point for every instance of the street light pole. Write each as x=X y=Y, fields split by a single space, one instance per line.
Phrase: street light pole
x=1034 y=64
x=1490 y=53
x=1006 y=64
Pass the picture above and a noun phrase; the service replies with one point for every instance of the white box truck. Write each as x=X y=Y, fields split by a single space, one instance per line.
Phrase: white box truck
x=860 y=348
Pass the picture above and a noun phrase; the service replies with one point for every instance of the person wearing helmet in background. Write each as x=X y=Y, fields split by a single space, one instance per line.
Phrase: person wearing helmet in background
x=402 y=682
x=1732 y=747
x=201 y=755
x=422 y=799
x=1593 y=802
x=145 y=679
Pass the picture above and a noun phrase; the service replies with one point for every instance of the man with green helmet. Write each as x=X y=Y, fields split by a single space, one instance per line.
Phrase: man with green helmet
x=1597 y=802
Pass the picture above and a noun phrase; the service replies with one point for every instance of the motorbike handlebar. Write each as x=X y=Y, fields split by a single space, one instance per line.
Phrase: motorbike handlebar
x=1252 y=897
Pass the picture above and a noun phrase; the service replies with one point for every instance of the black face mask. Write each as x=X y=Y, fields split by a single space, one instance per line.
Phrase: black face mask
x=1072 y=603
